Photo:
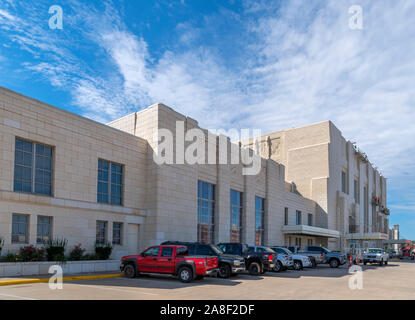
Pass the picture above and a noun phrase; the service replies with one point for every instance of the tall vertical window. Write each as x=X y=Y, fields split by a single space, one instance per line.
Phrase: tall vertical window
x=259 y=220
x=356 y=191
x=365 y=209
x=310 y=219
x=101 y=236
x=117 y=233
x=298 y=217
x=32 y=167
x=205 y=212
x=286 y=216
x=20 y=228
x=110 y=177
x=236 y=216
x=44 y=229
x=344 y=182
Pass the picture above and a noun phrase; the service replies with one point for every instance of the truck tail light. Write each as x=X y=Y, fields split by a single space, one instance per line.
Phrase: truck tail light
x=270 y=257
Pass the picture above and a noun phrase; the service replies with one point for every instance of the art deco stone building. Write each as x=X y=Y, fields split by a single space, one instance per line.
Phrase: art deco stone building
x=65 y=176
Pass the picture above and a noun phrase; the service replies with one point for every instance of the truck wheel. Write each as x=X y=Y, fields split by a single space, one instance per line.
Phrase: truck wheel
x=334 y=263
x=224 y=271
x=129 y=271
x=297 y=265
x=381 y=263
x=386 y=262
x=254 y=269
x=185 y=274
x=277 y=267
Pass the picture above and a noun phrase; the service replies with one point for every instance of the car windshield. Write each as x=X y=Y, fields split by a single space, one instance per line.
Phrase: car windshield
x=286 y=251
x=217 y=249
x=375 y=251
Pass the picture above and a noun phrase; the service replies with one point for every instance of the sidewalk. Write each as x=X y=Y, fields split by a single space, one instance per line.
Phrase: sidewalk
x=7 y=281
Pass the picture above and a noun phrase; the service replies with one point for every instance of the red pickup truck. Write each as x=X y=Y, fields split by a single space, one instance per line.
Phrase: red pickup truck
x=169 y=259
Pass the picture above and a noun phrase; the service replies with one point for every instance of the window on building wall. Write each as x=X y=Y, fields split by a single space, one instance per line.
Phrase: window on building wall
x=33 y=167
x=205 y=212
x=20 y=228
x=236 y=216
x=298 y=242
x=44 y=229
x=344 y=181
x=310 y=219
x=101 y=235
x=298 y=217
x=117 y=233
x=259 y=220
x=310 y=242
x=286 y=216
x=356 y=191
x=365 y=208
x=110 y=182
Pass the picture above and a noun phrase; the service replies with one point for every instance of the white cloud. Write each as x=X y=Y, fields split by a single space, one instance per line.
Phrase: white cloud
x=300 y=63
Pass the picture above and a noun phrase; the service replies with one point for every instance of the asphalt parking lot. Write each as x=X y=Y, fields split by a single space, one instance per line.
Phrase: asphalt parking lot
x=394 y=281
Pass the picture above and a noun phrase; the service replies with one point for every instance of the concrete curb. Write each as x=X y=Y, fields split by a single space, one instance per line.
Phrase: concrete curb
x=72 y=278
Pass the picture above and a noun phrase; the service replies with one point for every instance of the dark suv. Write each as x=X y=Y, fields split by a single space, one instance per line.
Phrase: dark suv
x=229 y=264
x=258 y=260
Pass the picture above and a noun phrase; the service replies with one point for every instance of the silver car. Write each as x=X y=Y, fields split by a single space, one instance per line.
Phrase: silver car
x=298 y=261
x=375 y=255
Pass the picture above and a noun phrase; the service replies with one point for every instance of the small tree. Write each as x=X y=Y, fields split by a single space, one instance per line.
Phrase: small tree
x=103 y=251
x=55 y=249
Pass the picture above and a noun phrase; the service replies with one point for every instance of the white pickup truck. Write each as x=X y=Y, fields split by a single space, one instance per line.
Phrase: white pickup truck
x=375 y=255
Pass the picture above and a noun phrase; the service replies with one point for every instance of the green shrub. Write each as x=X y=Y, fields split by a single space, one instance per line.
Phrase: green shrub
x=9 y=257
x=30 y=253
x=55 y=249
x=103 y=251
x=90 y=257
x=77 y=253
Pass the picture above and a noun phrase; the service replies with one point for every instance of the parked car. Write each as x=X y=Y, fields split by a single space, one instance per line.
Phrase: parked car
x=173 y=260
x=298 y=261
x=256 y=262
x=229 y=264
x=315 y=259
x=375 y=255
x=392 y=254
x=325 y=256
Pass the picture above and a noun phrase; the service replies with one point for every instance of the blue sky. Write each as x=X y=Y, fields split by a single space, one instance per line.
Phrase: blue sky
x=262 y=64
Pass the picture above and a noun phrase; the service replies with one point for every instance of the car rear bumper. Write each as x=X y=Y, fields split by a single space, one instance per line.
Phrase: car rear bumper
x=371 y=260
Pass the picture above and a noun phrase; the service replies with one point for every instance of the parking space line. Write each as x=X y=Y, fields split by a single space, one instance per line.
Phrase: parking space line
x=122 y=290
x=18 y=297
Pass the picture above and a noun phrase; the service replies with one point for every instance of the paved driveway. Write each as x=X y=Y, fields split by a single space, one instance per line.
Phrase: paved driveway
x=395 y=281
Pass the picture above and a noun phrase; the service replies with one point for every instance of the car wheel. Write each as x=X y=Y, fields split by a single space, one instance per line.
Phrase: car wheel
x=297 y=265
x=185 y=274
x=334 y=263
x=224 y=271
x=277 y=267
x=254 y=268
x=129 y=271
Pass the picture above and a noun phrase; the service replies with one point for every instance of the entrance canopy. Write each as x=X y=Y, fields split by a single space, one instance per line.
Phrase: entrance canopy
x=367 y=236
x=310 y=231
